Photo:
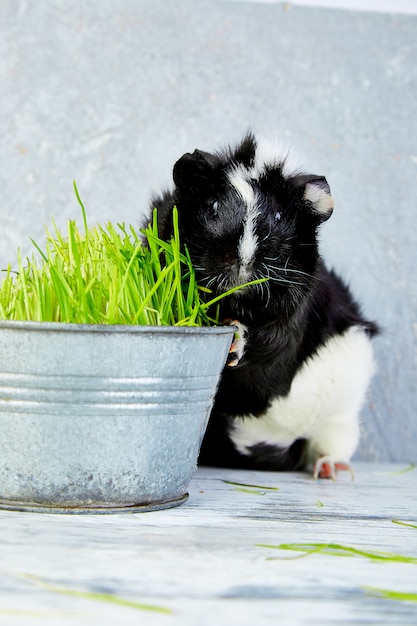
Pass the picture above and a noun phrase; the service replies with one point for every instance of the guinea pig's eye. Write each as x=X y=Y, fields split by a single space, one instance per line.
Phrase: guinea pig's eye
x=277 y=216
x=214 y=207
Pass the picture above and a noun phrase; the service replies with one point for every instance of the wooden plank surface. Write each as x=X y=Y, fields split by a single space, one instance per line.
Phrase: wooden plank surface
x=203 y=560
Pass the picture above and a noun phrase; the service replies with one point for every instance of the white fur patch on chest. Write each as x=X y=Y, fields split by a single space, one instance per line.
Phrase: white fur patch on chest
x=323 y=404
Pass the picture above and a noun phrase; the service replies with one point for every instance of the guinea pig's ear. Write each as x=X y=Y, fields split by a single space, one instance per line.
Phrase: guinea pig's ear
x=318 y=196
x=195 y=170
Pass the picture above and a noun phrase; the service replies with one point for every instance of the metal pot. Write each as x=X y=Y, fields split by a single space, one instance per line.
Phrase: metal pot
x=103 y=418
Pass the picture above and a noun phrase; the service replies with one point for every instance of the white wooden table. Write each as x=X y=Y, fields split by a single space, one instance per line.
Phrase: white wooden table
x=202 y=561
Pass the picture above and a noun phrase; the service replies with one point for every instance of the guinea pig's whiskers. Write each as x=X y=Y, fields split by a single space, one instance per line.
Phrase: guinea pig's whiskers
x=267 y=236
x=273 y=274
x=209 y=282
x=265 y=298
x=223 y=283
x=264 y=287
x=288 y=269
x=285 y=281
x=276 y=274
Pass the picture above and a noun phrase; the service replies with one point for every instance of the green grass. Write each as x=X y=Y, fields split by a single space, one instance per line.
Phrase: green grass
x=250 y=486
x=257 y=490
x=409 y=468
x=108 y=275
x=389 y=594
x=339 y=550
x=336 y=549
x=397 y=521
x=100 y=597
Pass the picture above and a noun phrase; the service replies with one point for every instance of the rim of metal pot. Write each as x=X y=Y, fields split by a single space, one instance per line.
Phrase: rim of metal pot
x=110 y=328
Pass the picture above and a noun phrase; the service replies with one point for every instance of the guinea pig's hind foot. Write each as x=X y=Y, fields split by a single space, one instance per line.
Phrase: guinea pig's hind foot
x=327 y=467
x=237 y=349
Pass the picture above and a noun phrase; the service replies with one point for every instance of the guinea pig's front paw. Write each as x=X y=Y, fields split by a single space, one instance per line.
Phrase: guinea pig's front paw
x=327 y=467
x=237 y=349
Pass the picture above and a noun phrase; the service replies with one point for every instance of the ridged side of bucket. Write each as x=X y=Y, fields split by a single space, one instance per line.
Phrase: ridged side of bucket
x=100 y=395
x=103 y=418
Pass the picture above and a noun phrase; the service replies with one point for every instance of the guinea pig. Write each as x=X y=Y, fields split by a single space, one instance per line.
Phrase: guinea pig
x=302 y=358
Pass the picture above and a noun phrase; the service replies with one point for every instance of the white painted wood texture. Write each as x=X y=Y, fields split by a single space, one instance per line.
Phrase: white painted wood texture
x=203 y=562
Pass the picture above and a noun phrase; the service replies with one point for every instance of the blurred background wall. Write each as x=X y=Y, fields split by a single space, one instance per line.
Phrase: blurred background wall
x=111 y=92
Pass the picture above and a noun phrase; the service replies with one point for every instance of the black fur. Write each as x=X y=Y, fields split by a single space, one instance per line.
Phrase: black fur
x=289 y=317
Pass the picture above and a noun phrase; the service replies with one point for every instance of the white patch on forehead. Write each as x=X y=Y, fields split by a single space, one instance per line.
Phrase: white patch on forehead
x=248 y=242
x=270 y=153
x=239 y=179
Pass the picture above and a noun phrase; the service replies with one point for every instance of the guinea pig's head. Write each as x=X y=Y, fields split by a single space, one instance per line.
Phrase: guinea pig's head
x=244 y=215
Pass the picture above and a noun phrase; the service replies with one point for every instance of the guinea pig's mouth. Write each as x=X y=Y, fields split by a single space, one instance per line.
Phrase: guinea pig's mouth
x=235 y=277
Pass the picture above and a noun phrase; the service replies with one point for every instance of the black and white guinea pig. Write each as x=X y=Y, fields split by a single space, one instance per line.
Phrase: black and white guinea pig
x=301 y=365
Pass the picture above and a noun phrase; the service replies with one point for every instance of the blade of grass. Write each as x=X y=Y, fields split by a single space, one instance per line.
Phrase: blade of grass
x=391 y=595
x=83 y=211
x=409 y=468
x=210 y=303
x=23 y=284
x=231 y=482
x=181 y=306
x=255 y=492
x=396 y=521
x=89 y=595
x=336 y=549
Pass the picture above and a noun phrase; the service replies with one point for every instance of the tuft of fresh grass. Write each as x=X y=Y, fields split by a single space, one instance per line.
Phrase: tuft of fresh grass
x=108 y=275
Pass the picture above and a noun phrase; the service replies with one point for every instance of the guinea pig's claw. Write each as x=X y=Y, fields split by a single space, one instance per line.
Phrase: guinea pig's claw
x=327 y=467
x=237 y=349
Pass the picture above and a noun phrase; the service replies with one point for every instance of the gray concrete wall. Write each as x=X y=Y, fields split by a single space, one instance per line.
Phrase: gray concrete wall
x=111 y=92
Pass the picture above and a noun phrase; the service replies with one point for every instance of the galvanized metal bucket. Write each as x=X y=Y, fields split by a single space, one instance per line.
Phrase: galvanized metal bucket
x=103 y=418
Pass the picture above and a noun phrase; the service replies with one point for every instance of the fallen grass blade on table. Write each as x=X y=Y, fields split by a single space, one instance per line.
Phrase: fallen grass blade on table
x=404 y=470
x=250 y=486
x=397 y=521
x=108 y=275
x=339 y=550
x=258 y=490
x=91 y=595
x=391 y=595
x=254 y=492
